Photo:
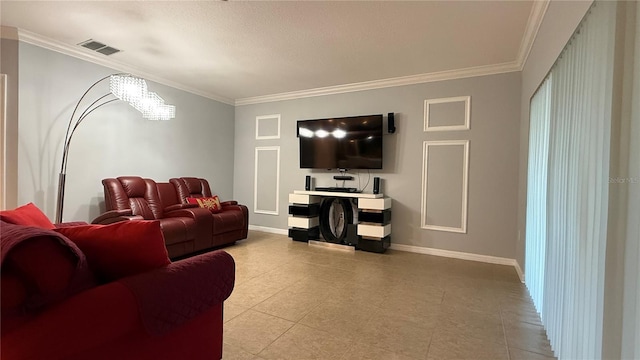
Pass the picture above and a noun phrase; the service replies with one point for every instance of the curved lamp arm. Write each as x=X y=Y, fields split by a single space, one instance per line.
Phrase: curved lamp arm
x=71 y=128
x=158 y=110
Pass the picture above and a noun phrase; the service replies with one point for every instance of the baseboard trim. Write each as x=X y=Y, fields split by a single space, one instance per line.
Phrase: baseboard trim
x=425 y=250
x=269 y=230
x=519 y=271
x=460 y=255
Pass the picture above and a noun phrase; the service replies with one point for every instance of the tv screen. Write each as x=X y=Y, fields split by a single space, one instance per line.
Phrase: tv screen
x=341 y=143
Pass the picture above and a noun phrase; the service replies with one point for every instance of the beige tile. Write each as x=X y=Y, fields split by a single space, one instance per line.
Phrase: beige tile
x=252 y=331
x=255 y=291
x=348 y=295
x=528 y=337
x=505 y=273
x=517 y=354
x=396 y=335
x=420 y=313
x=471 y=299
x=468 y=323
x=418 y=291
x=232 y=310
x=352 y=295
x=361 y=351
x=230 y=352
x=302 y=342
x=516 y=311
x=445 y=345
x=290 y=305
x=341 y=318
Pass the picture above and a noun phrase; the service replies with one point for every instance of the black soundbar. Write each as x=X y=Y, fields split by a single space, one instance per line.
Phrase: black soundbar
x=343 y=177
x=337 y=189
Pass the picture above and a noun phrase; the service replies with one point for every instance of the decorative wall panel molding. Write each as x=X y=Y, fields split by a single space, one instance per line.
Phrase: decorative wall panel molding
x=268 y=127
x=445 y=185
x=447 y=114
x=266 y=184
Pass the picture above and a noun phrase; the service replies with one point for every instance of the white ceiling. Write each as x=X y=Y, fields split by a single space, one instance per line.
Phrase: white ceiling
x=240 y=51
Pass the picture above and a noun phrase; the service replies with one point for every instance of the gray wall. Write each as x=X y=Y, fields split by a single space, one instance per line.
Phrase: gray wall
x=493 y=170
x=560 y=21
x=114 y=140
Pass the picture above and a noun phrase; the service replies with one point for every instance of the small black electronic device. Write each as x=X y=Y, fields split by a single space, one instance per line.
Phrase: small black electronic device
x=376 y=185
x=337 y=189
x=343 y=177
x=307 y=183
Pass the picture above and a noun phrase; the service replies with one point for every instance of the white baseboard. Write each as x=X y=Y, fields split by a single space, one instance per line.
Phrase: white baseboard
x=269 y=230
x=519 y=271
x=460 y=255
x=425 y=250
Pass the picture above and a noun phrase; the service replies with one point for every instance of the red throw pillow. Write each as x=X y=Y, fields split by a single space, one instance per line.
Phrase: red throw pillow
x=212 y=203
x=28 y=215
x=120 y=249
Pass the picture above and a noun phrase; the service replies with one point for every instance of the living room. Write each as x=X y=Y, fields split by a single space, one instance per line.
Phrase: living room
x=214 y=137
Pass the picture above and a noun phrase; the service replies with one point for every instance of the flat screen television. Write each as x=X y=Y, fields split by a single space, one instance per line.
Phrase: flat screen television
x=341 y=143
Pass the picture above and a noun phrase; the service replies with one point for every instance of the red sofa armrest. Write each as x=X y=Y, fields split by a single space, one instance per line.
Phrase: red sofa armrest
x=228 y=203
x=187 y=288
x=203 y=223
x=180 y=206
x=70 y=224
x=153 y=302
x=113 y=216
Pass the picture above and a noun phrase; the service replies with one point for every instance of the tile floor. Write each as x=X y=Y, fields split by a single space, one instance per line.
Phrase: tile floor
x=293 y=301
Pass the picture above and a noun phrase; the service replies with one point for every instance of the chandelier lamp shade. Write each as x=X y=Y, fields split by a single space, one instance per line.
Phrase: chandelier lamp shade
x=125 y=87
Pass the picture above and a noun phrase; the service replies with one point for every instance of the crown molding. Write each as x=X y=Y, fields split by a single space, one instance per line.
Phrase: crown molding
x=92 y=57
x=536 y=16
x=385 y=83
x=8 y=32
x=538 y=10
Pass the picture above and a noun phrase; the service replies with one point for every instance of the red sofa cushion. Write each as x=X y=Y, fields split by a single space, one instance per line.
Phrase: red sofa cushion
x=29 y=215
x=120 y=249
x=212 y=203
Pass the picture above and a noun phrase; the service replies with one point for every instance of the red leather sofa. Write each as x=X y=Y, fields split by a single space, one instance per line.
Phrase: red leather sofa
x=56 y=306
x=186 y=227
x=230 y=224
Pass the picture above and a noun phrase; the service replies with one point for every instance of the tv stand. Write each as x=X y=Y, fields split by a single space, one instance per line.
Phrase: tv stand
x=371 y=233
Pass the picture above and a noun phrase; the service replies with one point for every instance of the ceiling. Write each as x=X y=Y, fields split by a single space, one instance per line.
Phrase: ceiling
x=252 y=51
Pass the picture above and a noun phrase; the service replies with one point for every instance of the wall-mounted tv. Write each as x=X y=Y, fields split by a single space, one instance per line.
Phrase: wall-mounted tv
x=341 y=143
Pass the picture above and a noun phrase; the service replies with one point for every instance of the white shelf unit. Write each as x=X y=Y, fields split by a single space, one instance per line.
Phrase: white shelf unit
x=373 y=230
x=303 y=218
x=374 y=224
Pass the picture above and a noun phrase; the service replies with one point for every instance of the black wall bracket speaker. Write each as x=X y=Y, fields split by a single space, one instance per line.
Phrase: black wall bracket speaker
x=391 y=123
x=376 y=185
x=307 y=183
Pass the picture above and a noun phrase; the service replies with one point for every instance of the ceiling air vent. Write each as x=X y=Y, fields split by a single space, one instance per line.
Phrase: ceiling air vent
x=99 y=47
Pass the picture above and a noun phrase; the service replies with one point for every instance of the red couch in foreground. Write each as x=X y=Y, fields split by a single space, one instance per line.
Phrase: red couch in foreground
x=187 y=228
x=107 y=292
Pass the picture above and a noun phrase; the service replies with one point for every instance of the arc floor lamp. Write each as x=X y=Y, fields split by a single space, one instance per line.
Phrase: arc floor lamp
x=124 y=87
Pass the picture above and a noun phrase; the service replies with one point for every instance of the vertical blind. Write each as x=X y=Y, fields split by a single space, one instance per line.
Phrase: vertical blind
x=631 y=321
x=567 y=192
